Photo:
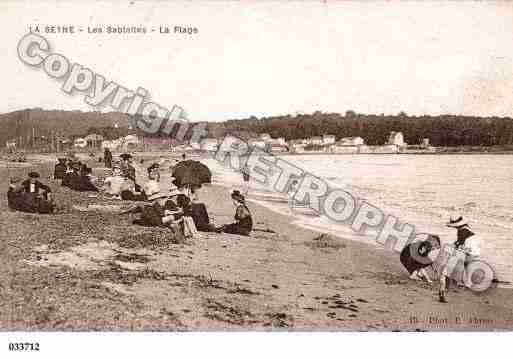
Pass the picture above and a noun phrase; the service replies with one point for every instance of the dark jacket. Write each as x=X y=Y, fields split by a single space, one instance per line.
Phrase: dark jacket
x=21 y=201
x=414 y=256
x=28 y=202
x=243 y=222
x=107 y=157
x=38 y=186
x=59 y=171
x=462 y=234
x=151 y=215
x=82 y=183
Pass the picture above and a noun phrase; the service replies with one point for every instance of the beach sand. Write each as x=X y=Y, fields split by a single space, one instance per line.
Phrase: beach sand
x=96 y=271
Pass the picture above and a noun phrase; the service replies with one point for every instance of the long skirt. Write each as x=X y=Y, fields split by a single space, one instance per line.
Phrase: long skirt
x=236 y=228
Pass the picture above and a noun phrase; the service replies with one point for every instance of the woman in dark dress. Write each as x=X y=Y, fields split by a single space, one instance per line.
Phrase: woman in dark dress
x=243 y=222
x=414 y=257
x=60 y=169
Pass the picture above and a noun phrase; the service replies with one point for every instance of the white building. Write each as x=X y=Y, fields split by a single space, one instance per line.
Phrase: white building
x=111 y=145
x=258 y=143
x=277 y=148
x=351 y=141
x=125 y=142
x=328 y=139
x=265 y=137
x=396 y=138
x=281 y=141
x=195 y=145
x=316 y=140
x=10 y=144
x=80 y=142
x=277 y=141
x=93 y=139
x=343 y=149
x=209 y=144
x=386 y=149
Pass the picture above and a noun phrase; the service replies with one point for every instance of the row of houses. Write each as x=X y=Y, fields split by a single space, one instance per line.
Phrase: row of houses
x=316 y=144
x=320 y=144
x=328 y=144
x=97 y=141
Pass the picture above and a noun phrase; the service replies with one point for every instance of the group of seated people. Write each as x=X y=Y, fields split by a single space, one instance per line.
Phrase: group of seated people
x=451 y=265
x=75 y=175
x=78 y=176
x=30 y=195
x=174 y=208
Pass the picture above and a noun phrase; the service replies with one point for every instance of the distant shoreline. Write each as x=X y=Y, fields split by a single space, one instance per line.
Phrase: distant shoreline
x=398 y=153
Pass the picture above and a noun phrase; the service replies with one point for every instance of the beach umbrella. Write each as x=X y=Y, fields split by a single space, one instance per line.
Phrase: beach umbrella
x=191 y=174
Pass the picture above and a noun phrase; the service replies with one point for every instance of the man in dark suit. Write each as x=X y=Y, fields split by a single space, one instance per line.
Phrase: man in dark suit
x=40 y=193
x=32 y=185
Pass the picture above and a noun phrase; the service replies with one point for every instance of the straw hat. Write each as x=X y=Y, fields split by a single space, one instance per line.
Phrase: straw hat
x=153 y=166
x=456 y=220
x=163 y=194
x=174 y=192
x=157 y=195
x=236 y=195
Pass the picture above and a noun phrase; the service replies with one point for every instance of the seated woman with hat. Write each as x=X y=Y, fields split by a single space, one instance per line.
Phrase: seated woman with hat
x=149 y=188
x=83 y=181
x=467 y=248
x=162 y=211
x=243 y=222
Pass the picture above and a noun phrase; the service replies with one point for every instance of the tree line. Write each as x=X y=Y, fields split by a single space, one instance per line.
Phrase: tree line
x=443 y=130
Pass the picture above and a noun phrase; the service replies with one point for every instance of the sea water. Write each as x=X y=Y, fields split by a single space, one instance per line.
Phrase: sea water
x=423 y=190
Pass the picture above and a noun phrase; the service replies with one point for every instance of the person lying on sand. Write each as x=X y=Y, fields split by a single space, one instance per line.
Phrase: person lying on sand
x=415 y=257
x=466 y=249
x=243 y=221
x=162 y=212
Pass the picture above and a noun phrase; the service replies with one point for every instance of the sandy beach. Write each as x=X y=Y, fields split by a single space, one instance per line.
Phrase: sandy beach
x=78 y=271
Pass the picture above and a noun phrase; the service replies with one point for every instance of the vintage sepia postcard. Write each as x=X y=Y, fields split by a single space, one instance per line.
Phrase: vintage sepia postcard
x=256 y=166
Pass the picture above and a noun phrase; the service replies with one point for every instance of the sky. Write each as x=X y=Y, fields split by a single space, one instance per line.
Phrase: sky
x=273 y=58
